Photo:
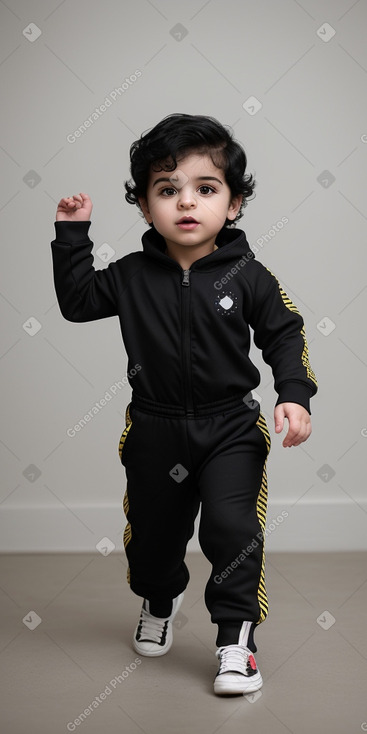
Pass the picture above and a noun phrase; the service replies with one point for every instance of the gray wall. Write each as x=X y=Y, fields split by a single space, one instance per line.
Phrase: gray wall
x=307 y=147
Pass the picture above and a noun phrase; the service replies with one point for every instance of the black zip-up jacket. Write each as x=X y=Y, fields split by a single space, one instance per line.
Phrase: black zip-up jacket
x=188 y=330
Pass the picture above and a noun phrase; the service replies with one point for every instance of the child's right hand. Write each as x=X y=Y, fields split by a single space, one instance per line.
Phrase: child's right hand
x=76 y=208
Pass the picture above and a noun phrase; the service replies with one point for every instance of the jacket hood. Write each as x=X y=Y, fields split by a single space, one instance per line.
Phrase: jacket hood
x=232 y=246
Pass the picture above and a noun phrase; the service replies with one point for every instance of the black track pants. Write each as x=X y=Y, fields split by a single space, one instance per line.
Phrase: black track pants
x=172 y=465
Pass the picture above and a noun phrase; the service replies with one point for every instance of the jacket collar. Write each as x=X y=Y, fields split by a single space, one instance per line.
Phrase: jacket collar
x=232 y=246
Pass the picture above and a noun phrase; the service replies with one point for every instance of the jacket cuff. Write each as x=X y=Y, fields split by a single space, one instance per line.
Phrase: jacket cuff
x=295 y=392
x=72 y=233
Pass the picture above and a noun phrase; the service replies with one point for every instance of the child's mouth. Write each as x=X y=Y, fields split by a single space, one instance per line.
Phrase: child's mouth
x=187 y=224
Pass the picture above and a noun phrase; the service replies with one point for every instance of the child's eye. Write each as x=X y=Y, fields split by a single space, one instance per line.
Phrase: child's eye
x=208 y=189
x=170 y=191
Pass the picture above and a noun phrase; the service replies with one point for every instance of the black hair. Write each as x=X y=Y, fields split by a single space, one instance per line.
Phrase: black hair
x=176 y=136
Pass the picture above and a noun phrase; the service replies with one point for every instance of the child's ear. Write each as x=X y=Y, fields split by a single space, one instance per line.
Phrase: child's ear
x=234 y=207
x=144 y=207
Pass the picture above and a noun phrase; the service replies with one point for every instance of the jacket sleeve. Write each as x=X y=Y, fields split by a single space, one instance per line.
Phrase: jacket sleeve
x=83 y=293
x=280 y=334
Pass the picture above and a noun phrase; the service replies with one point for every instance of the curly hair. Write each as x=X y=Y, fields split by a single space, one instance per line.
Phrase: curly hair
x=176 y=136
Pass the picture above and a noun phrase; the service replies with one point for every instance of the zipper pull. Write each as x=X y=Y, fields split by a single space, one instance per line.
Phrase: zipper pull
x=186 y=278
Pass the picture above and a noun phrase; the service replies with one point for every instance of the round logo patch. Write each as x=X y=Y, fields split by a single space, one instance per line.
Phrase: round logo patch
x=226 y=303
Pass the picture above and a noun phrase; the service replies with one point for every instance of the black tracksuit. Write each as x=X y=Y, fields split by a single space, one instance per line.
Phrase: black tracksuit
x=193 y=435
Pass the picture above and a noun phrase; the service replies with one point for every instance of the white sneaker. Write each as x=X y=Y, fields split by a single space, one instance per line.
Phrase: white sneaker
x=238 y=672
x=153 y=635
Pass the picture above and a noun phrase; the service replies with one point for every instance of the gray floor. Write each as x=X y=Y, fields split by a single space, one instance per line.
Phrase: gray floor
x=314 y=668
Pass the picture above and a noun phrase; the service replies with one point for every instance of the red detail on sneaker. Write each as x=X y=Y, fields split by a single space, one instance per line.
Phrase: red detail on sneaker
x=252 y=662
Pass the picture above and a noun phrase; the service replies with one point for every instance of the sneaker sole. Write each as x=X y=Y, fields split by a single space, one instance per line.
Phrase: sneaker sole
x=232 y=688
x=165 y=648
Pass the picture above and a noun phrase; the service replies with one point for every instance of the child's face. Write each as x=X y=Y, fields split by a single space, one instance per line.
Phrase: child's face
x=196 y=189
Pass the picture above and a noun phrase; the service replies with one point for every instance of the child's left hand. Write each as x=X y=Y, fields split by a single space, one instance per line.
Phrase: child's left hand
x=299 y=423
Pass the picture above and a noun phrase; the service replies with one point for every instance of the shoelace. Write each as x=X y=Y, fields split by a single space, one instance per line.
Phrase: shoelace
x=233 y=657
x=151 y=628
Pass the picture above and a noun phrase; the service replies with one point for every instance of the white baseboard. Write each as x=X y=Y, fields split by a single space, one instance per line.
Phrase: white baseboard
x=312 y=526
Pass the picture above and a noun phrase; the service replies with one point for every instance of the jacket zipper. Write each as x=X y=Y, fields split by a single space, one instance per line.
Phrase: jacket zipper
x=186 y=344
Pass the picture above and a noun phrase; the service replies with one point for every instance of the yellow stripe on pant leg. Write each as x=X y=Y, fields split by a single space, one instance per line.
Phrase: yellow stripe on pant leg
x=261 y=507
x=128 y=424
x=127 y=531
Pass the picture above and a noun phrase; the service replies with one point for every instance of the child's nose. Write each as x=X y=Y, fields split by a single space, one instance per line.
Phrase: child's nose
x=186 y=198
